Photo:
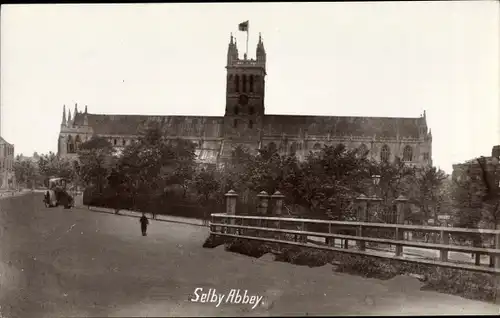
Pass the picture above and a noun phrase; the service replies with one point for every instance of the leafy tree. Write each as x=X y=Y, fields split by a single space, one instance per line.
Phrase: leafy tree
x=95 y=162
x=154 y=162
x=50 y=165
x=396 y=178
x=429 y=181
x=206 y=184
x=331 y=178
x=25 y=171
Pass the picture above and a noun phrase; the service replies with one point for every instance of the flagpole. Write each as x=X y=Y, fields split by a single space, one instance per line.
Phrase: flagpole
x=246 y=53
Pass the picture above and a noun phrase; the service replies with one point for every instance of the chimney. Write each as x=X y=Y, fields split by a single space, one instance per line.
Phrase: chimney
x=495 y=151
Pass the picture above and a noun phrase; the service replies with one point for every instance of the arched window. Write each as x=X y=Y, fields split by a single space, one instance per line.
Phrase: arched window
x=251 y=110
x=78 y=142
x=115 y=142
x=124 y=142
x=70 y=145
x=236 y=110
x=272 y=147
x=235 y=123
x=362 y=150
x=407 y=154
x=293 y=148
x=244 y=84
x=317 y=146
x=385 y=153
x=237 y=83
x=251 y=83
x=250 y=124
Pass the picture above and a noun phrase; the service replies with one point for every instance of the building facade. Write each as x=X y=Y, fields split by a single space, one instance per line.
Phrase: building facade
x=481 y=175
x=246 y=123
x=7 y=177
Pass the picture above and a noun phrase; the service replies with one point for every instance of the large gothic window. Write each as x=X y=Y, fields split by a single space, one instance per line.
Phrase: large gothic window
x=70 y=145
x=78 y=142
x=293 y=149
x=272 y=147
x=236 y=110
x=362 y=150
x=251 y=110
x=407 y=154
x=385 y=153
x=237 y=83
x=251 y=83
x=244 y=84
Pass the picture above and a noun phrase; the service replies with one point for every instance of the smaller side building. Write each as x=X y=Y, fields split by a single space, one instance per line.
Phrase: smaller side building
x=482 y=172
x=7 y=177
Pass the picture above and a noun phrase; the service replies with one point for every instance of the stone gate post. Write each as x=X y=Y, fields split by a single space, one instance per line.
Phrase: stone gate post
x=400 y=219
x=231 y=198
x=361 y=206
x=263 y=203
x=278 y=206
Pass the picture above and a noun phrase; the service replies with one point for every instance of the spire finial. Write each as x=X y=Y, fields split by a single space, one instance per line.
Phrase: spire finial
x=63 y=122
x=85 y=109
x=260 y=37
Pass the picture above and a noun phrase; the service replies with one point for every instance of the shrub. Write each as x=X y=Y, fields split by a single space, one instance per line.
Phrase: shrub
x=467 y=284
x=369 y=267
x=214 y=241
x=248 y=247
x=304 y=256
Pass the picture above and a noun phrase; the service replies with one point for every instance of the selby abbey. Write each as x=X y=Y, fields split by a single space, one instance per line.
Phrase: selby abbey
x=246 y=123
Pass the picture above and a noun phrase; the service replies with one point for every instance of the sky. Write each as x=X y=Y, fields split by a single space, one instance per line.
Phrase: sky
x=388 y=59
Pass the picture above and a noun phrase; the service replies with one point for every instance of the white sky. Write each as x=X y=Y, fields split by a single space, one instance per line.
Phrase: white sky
x=360 y=59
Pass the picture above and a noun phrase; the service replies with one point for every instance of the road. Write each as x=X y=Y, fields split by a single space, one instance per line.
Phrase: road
x=78 y=263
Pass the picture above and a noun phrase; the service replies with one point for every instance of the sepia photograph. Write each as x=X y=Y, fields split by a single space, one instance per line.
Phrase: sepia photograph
x=250 y=159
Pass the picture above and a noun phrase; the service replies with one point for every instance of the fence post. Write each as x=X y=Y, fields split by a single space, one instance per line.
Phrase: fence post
x=278 y=207
x=400 y=219
x=263 y=202
x=231 y=198
x=497 y=265
x=444 y=239
x=361 y=205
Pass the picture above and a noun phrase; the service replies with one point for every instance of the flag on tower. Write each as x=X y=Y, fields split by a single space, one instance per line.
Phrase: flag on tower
x=243 y=26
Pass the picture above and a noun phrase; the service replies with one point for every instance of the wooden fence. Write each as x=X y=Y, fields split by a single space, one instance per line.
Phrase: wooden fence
x=295 y=231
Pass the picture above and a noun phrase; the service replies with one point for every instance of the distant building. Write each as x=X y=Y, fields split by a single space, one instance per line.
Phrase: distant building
x=478 y=170
x=7 y=177
x=246 y=123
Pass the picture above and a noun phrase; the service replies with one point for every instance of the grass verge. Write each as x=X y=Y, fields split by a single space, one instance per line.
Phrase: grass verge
x=467 y=284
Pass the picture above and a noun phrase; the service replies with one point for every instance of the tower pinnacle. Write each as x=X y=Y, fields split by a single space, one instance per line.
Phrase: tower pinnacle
x=63 y=121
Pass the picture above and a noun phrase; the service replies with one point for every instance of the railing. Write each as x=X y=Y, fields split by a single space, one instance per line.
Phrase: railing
x=238 y=226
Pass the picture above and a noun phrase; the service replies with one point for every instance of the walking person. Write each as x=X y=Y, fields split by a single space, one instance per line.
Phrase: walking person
x=144 y=224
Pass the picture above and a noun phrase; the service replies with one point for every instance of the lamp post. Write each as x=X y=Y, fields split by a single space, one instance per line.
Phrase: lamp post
x=363 y=207
x=374 y=197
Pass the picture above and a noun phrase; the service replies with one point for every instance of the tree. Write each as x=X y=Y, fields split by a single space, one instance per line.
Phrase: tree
x=206 y=185
x=429 y=181
x=95 y=162
x=330 y=179
x=25 y=171
x=50 y=165
x=154 y=162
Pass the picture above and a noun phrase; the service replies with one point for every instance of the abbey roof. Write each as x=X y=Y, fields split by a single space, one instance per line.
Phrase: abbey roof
x=291 y=125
